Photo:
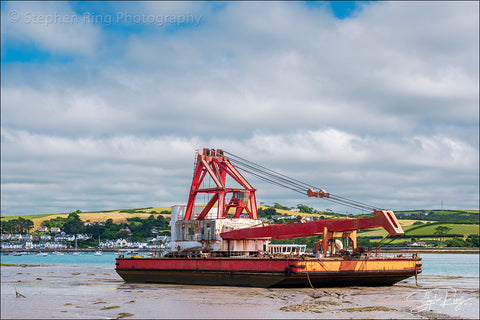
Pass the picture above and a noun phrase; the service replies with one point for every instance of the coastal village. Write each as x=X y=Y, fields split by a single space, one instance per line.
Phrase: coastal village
x=45 y=242
x=55 y=239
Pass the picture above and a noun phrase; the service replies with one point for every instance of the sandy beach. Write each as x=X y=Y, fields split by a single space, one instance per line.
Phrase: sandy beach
x=97 y=292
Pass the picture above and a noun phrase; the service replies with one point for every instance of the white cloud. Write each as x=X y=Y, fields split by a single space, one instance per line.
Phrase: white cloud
x=382 y=106
x=51 y=26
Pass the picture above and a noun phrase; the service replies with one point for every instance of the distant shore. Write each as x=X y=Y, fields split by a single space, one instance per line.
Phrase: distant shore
x=69 y=250
x=384 y=250
x=431 y=250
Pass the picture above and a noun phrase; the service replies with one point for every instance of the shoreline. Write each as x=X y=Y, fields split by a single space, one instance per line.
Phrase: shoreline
x=117 y=250
x=428 y=250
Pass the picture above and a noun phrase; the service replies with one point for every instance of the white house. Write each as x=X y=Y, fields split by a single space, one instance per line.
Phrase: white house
x=122 y=243
x=45 y=237
x=16 y=236
x=6 y=236
x=55 y=230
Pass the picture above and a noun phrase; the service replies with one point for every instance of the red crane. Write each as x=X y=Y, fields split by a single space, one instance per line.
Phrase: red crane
x=218 y=166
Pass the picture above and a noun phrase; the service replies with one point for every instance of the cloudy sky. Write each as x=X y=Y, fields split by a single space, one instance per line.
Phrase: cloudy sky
x=104 y=104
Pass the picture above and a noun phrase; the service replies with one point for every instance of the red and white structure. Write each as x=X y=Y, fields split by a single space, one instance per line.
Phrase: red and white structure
x=214 y=228
x=218 y=167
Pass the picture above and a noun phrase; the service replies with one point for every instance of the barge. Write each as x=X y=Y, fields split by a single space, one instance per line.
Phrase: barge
x=226 y=244
x=268 y=272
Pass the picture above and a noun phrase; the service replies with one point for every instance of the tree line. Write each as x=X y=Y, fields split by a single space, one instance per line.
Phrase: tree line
x=19 y=225
x=140 y=228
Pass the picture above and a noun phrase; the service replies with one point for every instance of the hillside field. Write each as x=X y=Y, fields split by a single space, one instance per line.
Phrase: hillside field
x=465 y=229
x=426 y=231
x=121 y=215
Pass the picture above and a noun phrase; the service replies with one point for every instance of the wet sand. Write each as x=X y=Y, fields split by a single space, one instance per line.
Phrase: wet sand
x=97 y=292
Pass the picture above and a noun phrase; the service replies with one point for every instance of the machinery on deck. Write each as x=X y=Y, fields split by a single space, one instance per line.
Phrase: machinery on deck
x=225 y=243
x=253 y=233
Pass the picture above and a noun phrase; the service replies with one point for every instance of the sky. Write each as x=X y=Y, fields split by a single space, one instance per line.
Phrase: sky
x=103 y=104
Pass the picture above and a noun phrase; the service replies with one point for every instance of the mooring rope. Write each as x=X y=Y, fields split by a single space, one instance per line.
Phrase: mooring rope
x=308 y=277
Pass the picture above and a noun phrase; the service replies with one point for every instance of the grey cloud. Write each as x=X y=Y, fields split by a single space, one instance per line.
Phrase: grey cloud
x=381 y=107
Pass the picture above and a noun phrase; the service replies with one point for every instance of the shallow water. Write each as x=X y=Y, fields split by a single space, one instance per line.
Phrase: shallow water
x=107 y=258
x=465 y=265
x=97 y=292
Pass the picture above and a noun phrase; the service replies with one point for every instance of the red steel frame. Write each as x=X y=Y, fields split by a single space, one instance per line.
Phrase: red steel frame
x=218 y=167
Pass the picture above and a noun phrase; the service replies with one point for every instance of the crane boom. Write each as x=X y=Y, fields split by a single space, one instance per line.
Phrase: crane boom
x=381 y=218
x=331 y=228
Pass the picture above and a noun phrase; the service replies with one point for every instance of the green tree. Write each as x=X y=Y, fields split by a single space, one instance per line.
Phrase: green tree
x=108 y=223
x=304 y=209
x=267 y=213
x=57 y=222
x=473 y=240
x=19 y=225
x=161 y=222
x=25 y=225
x=73 y=224
x=456 y=242
x=6 y=226
x=123 y=234
x=95 y=231
x=441 y=231
x=279 y=206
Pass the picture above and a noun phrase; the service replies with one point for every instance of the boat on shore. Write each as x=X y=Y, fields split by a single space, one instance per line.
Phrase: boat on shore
x=265 y=271
x=228 y=245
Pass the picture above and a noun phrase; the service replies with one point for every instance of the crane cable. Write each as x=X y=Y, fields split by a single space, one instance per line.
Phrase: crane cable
x=282 y=180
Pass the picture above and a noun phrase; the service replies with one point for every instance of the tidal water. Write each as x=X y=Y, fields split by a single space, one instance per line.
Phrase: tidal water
x=462 y=265
x=107 y=258
x=87 y=287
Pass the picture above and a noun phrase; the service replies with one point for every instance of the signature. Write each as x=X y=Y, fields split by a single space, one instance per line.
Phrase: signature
x=437 y=297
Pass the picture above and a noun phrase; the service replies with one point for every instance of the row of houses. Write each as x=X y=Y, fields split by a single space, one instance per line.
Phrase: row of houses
x=123 y=243
x=289 y=217
x=32 y=245
x=44 y=237
x=57 y=230
x=16 y=237
x=52 y=229
x=405 y=214
x=281 y=216
x=58 y=242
